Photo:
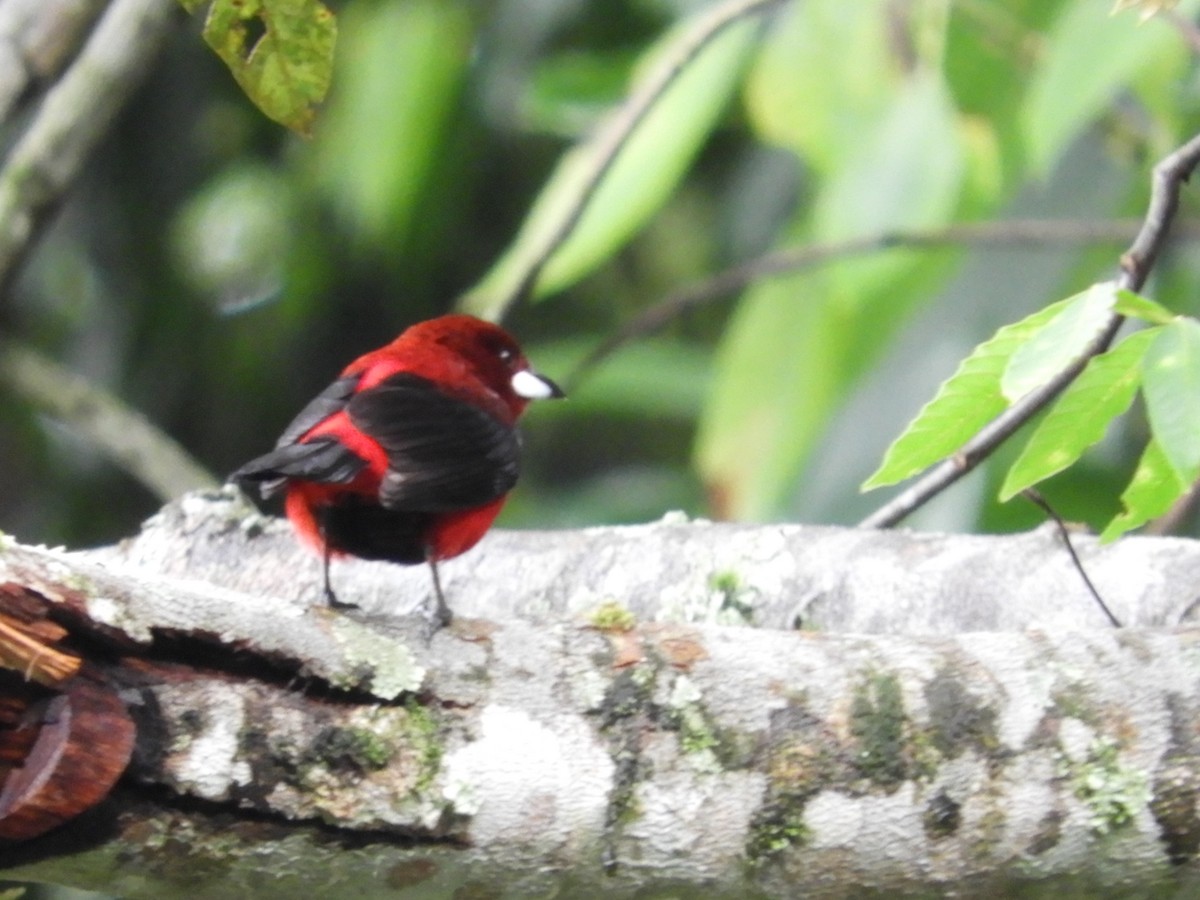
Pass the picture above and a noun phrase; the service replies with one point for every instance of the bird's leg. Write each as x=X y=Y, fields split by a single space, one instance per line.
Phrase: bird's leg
x=441 y=616
x=330 y=596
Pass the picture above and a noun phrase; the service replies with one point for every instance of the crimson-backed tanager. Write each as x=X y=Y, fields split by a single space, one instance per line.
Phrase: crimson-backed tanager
x=409 y=455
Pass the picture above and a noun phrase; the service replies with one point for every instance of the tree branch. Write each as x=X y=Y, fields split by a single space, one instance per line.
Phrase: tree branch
x=1136 y=263
x=72 y=118
x=1013 y=232
x=37 y=37
x=283 y=746
x=606 y=144
x=129 y=438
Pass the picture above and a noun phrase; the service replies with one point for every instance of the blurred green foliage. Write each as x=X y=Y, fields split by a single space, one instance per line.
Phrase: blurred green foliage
x=215 y=270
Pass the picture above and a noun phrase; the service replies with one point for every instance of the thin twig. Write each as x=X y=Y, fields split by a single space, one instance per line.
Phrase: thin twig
x=131 y=440
x=1136 y=263
x=1013 y=232
x=614 y=135
x=37 y=38
x=1038 y=500
x=73 y=117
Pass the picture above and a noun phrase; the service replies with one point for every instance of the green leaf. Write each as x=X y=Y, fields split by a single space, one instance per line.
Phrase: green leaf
x=833 y=60
x=1059 y=342
x=965 y=402
x=1103 y=391
x=1138 y=307
x=1155 y=485
x=1171 y=383
x=279 y=51
x=641 y=179
x=570 y=92
x=797 y=345
x=1089 y=57
x=400 y=77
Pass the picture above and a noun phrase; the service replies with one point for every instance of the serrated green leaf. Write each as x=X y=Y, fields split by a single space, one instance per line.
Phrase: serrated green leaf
x=1171 y=383
x=1138 y=307
x=1155 y=485
x=279 y=51
x=1103 y=391
x=641 y=179
x=1059 y=342
x=965 y=402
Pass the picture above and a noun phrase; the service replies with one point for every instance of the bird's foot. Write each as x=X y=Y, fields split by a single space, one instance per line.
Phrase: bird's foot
x=436 y=618
x=334 y=603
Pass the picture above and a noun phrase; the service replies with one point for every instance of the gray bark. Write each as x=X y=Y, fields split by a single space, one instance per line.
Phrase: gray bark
x=952 y=715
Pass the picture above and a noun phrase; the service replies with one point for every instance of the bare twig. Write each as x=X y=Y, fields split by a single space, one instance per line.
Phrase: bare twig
x=73 y=117
x=611 y=138
x=1136 y=263
x=1013 y=232
x=1038 y=500
x=132 y=441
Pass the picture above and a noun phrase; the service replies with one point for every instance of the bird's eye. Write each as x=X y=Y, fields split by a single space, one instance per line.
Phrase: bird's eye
x=506 y=354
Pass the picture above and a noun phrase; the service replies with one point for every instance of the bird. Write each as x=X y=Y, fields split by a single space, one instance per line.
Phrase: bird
x=409 y=454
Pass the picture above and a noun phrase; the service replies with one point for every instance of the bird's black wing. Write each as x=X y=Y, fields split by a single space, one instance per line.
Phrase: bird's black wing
x=331 y=400
x=444 y=454
x=324 y=459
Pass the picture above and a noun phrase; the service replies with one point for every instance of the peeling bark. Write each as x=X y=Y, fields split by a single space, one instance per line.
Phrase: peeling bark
x=952 y=715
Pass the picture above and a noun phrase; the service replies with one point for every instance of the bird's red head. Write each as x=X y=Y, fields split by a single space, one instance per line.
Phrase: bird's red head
x=470 y=357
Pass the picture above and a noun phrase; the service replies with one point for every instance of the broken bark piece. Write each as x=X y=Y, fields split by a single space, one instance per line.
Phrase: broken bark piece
x=65 y=738
x=84 y=741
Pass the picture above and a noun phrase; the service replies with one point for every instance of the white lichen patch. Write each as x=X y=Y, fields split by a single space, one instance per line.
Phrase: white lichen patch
x=392 y=667
x=1075 y=738
x=206 y=763
x=877 y=826
x=588 y=688
x=683 y=692
x=689 y=825
x=461 y=796
x=732 y=583
x=107 y=611
x=529 y=783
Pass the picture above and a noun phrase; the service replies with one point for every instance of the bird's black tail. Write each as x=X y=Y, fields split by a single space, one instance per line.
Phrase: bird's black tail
x=324 y=460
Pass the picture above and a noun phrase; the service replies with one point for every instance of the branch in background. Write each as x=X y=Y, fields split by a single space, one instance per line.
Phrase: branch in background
x=1136 y=263
x=71 y=120
x=132 y=441
x=37 y=37
x=1014 y=232
x=617 y=130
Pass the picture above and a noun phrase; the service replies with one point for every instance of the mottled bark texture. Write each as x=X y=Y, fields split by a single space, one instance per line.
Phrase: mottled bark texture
x=952 y=713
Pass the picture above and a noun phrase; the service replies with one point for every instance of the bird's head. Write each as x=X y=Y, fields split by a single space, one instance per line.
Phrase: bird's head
x=489 y=356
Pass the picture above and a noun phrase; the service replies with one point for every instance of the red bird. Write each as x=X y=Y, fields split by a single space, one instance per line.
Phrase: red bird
x=409 y=455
